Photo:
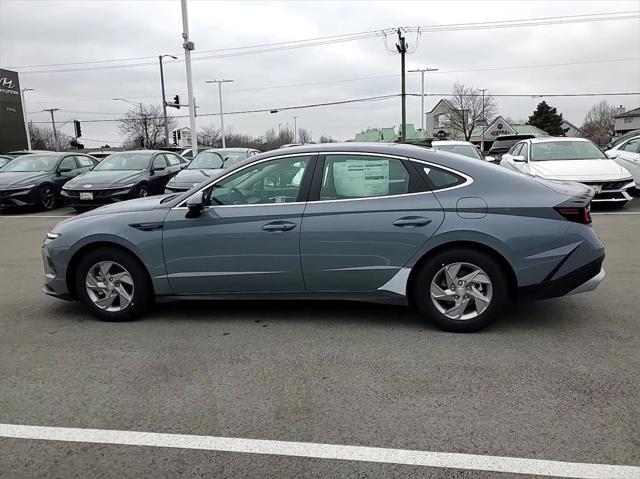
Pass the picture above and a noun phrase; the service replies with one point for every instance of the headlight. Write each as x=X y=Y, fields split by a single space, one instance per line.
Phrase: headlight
x=126 y=186
x=52 y=236
x=27 y=186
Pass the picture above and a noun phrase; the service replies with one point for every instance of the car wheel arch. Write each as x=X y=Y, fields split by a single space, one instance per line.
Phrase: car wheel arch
x=77 y=256
x=502 y=261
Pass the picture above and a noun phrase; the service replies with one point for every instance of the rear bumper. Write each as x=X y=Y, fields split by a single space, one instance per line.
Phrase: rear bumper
x=580 y=280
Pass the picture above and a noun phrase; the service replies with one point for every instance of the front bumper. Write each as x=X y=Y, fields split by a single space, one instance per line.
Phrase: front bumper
x=55 y=283
x=101 y=197
x=18 y=197
x=612 y=191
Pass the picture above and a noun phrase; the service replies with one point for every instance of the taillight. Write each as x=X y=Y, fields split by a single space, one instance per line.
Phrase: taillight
x=577 y=215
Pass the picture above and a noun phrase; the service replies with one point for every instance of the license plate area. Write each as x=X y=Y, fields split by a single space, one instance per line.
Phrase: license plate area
x=86 y=195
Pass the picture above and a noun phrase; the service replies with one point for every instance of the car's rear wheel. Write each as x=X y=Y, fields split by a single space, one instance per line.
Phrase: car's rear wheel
x=113 y=285
x=461 y=290
x=46 y=197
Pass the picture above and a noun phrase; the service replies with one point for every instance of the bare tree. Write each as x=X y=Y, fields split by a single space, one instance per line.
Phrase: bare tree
x=42 y=138
x=599 y=121
x=145 y=126
x=210 y=136
x=467 y=109
x=304 y=136
x=326 y=139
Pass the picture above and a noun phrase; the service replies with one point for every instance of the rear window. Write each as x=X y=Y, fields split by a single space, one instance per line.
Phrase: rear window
x=440 y=179
x=504 y=144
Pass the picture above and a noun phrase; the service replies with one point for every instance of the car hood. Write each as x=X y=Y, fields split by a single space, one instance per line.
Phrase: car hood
x=104 y=179
x=16 y=179
x=193 y=177
x=578 y=170
x=138 y=204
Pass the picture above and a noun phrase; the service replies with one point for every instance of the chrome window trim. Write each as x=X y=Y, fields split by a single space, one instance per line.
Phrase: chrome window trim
x=468 y=179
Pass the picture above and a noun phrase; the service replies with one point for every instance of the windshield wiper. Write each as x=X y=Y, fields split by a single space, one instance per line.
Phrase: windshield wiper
x=204 y=173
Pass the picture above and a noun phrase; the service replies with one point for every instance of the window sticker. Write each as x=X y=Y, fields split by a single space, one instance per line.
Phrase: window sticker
x=361 y=178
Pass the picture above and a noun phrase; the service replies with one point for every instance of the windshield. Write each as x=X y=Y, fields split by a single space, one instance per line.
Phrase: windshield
x=465 y=150
x=232 y=157
x=4 y=160
x=125 y=161
x=566 y=150
x=206 y=160
x=32 y=163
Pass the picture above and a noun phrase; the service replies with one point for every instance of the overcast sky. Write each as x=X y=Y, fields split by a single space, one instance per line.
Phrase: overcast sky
x=50 y=31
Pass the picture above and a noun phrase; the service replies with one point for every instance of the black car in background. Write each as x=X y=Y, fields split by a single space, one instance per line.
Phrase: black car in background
x=36 y=179
x=4 y=160
x=122 y=176
x=503 y=144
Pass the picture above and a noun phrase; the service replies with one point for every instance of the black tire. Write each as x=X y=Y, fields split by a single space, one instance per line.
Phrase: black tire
x=46 y=197
x=142 y=191
x=142 y=297
x=422 y=286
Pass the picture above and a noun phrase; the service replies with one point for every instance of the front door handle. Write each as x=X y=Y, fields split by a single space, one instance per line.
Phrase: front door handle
x=279 y=226
x=412 y=221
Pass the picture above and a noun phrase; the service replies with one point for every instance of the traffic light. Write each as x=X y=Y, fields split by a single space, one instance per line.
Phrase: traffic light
x=175 y=137
x=176 y=100
x=77 y=127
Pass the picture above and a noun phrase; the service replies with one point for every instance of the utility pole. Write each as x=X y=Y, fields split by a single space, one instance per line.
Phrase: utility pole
x=484 y=121
x=24 y=116
x=53 y=124
x=295 y=129
x=220 y=82
x=188 y=46
x=164 y=100
x=402 y=49
x=422 y=72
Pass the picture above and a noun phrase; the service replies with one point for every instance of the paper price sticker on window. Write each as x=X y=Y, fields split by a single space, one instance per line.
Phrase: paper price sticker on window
x=361 y=178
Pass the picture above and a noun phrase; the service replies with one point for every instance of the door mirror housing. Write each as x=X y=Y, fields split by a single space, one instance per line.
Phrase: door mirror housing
x=63 y=170
x=159 y=168
x=519 y=159
x=612 y=154
x=490 y=159
x=195 y=204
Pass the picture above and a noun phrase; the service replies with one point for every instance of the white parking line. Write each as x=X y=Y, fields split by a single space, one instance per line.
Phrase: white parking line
x=472 y=462
x=618 y=213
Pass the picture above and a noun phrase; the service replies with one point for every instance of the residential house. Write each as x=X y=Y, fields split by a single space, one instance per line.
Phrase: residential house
x=625 y=121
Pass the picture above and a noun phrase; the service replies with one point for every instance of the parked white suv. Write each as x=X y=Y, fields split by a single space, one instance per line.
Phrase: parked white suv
x=572 y=159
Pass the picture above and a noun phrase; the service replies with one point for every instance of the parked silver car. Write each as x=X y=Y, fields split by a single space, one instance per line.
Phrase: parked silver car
x=453 y=236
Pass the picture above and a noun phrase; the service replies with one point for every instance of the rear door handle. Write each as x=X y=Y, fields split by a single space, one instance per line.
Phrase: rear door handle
x=412 y=221
x=279 y=226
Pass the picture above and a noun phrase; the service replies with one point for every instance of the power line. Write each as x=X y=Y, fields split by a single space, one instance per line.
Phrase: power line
x=294 y=44
x=367 y=99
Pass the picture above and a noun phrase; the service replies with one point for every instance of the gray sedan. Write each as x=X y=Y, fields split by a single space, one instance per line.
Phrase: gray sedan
x=454 y=237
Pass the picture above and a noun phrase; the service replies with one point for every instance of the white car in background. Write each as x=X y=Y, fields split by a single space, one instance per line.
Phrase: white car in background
x=572 y=159
x=463 y=148
x=627 y=155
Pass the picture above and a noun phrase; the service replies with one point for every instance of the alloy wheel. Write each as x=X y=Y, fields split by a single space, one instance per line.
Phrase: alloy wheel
x=47 y=198
x=461 y=291
x=143 y=192
x=109 y=286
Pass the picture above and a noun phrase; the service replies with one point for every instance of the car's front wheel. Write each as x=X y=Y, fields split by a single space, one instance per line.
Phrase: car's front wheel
x=461 y=290
x=46 y=197
x=113 y=285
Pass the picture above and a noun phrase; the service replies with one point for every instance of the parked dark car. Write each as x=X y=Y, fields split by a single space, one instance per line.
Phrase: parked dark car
x=4 y=160
x=503 y=144
x=201 y=168
x=122 y=176
x=37 y=179
x=17 y=153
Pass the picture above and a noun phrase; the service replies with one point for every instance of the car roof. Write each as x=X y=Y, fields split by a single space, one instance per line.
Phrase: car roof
x=451 y=142
x=148 y=152
x=523 y=136
x=233 y=149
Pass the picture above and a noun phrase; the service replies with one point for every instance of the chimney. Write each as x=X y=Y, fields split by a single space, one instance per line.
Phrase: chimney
x=620 y=110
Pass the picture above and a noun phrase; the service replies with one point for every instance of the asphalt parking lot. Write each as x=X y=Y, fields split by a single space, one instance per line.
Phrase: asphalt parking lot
x=557 y=380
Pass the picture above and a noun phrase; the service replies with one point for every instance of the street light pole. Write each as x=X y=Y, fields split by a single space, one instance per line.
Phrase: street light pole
x=295 y=129
x=220 y=82
x=24 y=115
x=484 y=121
x=422 y=72
x=188 y=46
x=164 y=100
x=53 y=124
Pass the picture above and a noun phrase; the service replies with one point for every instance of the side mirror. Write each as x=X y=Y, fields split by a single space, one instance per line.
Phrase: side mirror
x=195 y=204
x=612 y=154
x=519 y=159
x=490 y=159
x=63 y=170
x=159 y=168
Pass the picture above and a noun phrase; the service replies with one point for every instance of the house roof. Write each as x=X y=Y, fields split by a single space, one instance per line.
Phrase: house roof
x=447 y=103
x=528 y=130
x=634 y=112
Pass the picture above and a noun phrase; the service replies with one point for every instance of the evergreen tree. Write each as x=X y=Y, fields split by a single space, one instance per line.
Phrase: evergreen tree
x=547 y=119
